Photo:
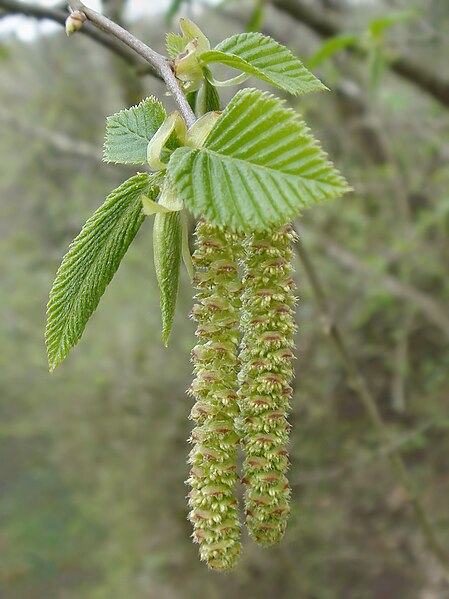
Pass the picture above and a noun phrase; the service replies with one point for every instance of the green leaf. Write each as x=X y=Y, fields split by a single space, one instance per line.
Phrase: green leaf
x=207 y=99
x=167 y=241
x=175 y=44
x=129 y=131
x=90 y=264
x=331 y=47
x=378 y=26
x=256 y=20
x=258 y=167
x=186 y=255
x=264 y=58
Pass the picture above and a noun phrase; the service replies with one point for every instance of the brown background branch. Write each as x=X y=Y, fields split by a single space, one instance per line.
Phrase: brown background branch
x=406 y=68
x=14 y=7
x=358 y=383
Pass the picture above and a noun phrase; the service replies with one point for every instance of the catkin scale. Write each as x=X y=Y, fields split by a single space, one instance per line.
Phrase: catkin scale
x=213 y=507
x=268 y=326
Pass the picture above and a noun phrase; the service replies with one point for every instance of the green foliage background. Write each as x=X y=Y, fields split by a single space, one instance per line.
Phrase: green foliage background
x=93 y=458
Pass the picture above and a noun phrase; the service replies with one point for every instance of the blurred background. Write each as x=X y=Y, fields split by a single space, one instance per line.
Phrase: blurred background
x=93 y=457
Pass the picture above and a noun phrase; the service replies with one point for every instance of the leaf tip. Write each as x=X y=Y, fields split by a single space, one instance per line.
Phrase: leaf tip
x=53 y=361
x=165 y=335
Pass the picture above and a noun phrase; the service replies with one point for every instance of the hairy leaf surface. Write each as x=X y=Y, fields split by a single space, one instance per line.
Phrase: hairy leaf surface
x=259 y=167
x=129 y=131
x=167 y=242
x=262 y=57
x=175 y=44
x=90 y=264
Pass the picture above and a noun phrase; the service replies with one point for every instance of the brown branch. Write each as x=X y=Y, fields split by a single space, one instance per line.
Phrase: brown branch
x=60 y=141
x=361 y=461
x=401 y=65
x=117 y=39
x=359 y=385
x=434 y=311
x=158 y=62
x=40 y=12
x=15 y=7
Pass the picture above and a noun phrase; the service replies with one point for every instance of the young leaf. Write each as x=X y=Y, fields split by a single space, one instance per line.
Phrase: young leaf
x=258 y=167
x=90 y=264
x=378 y=26
x=172 y=129
x=330 y=47
x=186 y=255
x=175 y=44
x=264 y=58
x=207 y=99
x=257 y=17
x=167 y=242
x=129 y=131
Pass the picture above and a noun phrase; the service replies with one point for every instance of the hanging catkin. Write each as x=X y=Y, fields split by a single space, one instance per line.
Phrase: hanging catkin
x=268 y=326
x=214 y=509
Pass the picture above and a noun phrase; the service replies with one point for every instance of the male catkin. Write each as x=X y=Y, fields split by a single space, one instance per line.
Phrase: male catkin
x=268 y=326
x=214 y=509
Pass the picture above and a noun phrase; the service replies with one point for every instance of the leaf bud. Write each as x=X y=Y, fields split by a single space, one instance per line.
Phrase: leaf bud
x=74 y=22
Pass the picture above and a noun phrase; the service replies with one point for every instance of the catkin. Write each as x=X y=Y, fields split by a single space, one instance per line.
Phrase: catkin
x=213 y=476
x=268 y=326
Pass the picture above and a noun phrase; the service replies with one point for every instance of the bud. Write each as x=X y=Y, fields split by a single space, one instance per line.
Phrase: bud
x=192 y=32
x=268 y=327
x=187 y=66
x=74 y=22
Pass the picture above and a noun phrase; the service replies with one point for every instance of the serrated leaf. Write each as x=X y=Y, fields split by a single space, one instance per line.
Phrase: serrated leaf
x=175 y=44
x=262 y=57
x=90 y=264
x=129 y=131
x=259 y=167
x=167 y=242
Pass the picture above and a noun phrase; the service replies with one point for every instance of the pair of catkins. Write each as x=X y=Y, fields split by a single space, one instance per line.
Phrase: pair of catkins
x=243 y=368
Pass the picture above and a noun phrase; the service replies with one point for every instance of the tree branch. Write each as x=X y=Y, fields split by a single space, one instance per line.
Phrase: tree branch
x=15 y=7
x=434 y=311
x=40 y=12
x=401 y=65
x=58 y=140
x=158 y=62
x=359 y=385
x=363 y=459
